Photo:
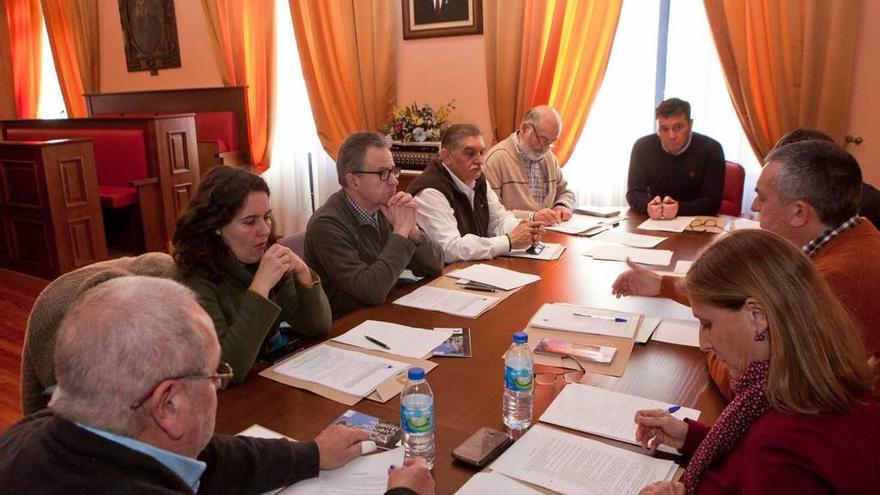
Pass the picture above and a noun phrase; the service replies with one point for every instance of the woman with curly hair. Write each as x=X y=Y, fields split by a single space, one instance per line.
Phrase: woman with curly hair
x=225 y=251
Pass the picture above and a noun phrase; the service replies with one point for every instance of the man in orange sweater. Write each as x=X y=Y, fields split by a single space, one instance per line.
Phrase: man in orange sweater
x=809 y=192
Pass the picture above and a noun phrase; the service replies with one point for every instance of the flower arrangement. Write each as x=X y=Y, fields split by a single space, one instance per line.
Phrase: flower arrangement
x=418 y=123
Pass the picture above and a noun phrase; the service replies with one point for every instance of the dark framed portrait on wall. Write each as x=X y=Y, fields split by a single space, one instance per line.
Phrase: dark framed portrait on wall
x=149 y=29
x=433 y=18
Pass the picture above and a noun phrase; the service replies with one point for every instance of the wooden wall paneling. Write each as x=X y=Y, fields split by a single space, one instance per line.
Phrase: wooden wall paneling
x=51 y=212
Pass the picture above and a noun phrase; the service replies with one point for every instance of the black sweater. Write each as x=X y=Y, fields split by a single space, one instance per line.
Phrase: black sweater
x=44 y=453
x=694 y=178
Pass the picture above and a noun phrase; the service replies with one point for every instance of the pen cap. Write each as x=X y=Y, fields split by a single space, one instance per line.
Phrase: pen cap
x=416 y=374
x=520 y=337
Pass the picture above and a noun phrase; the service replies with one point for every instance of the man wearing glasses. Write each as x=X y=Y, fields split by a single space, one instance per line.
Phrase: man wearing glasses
x=138 y=368
x=524 y=172
x=365 y=236
x=675 y=171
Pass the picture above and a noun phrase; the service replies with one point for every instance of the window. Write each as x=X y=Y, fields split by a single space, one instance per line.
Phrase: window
x=302 y=175
x=50 y=104
x=624 y=107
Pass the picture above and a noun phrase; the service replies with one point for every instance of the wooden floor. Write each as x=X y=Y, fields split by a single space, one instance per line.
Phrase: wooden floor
x=17 y=295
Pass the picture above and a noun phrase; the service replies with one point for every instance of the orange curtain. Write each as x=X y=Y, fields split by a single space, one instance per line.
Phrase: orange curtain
x=788 y=63
x=243 y=32
x=348 y=50
x=74 y=34
x=25 y=28
x=7 y=87
x=551 y=52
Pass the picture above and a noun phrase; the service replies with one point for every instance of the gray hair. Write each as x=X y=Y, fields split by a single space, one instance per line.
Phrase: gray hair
x=354 y=150
x=454 y=134
x=117 y=341
x=822 y=174
x=535 y=114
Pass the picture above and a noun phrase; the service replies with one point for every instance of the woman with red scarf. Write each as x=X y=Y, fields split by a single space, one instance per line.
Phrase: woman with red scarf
x=805 y=417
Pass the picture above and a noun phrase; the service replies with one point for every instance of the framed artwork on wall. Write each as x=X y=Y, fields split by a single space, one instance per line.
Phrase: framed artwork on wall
x=149 y=29
x=433 y=18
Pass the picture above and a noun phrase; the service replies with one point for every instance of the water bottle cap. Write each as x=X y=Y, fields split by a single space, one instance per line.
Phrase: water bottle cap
x=520 y=338
x=416 y=374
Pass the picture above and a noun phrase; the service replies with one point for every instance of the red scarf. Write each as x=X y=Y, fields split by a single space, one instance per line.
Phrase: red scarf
x=749 y=404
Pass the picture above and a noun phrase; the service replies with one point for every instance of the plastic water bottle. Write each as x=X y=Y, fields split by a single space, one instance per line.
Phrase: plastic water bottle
x=518 y=384
x=417 y=418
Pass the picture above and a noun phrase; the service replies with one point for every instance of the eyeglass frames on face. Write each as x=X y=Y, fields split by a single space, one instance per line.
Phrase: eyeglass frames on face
x=224 y=374
x=383 y=174
x=542 y=141
x=549 y=377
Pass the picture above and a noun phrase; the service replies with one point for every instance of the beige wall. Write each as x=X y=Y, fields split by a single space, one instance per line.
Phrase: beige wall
x=866 y=98
x=198 y=67
x=436 y=70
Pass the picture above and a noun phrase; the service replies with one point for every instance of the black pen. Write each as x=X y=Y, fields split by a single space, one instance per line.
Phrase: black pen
x=481 y=289
x=377 y=342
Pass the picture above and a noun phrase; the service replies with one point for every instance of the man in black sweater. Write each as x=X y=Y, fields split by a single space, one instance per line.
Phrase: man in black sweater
x=675 y=171
x=138 y=368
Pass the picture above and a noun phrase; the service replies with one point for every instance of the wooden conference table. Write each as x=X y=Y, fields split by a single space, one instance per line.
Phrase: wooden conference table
x=468 y=391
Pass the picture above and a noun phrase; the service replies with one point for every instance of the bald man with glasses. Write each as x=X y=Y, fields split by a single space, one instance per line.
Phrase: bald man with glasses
x=362 y=239
x=524 y=172
x=138 y=367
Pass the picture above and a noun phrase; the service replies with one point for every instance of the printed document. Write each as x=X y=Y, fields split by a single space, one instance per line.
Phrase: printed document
x=568 y=463
x=628 y=239
x=351 y=372
x=454 y=302
x=401 y=339
x=367 y=475
x=605 y=413
x=486 y=483
x=614 y=252
x=678 y=332
x=495 y=276
x=571 y=318
x=581 y=223
x=678 y=224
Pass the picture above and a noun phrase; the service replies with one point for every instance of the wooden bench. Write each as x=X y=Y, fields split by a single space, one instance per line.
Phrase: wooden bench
x=50 y=213
x=148 y=161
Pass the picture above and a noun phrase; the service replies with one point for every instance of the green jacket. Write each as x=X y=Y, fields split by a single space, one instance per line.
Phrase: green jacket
x=244 y=319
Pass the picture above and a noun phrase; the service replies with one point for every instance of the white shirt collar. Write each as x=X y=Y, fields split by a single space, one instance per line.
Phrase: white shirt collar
x=683 y=149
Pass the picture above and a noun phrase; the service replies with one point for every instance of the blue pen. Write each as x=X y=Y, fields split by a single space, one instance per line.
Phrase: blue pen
x=673 y=409
x=615 y=319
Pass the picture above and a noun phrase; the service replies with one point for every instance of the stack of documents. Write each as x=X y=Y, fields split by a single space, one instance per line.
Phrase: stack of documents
x=605 y=413
x=494 y=276
x=678 y=224
x=454 y=302
x=600 y=211
x=614 y=252
x=548 y=253
x=572 y=318
x=396 y=339
x=581 y=224
x=567 y=463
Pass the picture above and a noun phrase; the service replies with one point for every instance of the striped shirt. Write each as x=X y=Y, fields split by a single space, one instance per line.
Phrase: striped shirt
x=372 y=219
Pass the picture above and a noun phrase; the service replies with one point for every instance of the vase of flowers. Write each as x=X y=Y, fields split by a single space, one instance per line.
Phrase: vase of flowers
x=418 y=124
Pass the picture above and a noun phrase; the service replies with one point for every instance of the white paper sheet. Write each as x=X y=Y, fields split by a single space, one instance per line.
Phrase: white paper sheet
x=351 y=372
x=568 y=463
x=600 y=211
x=258 y=431
x=682 y=266
x=572 y=318
x=605 y=413
x=628 y=239
x=402 y=340
x=495 y=276
x=646 y=328
x=615 y=252
x=579 y=223
x=678 y=332
x=486 y=483
x=453 y=302
x=743 y=224
x=678 y=224
x=550 y=252
x=365 y=475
